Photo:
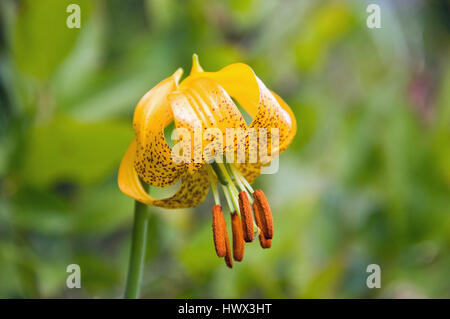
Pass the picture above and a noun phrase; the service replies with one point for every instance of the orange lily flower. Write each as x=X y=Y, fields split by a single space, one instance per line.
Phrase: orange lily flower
x=204 y=100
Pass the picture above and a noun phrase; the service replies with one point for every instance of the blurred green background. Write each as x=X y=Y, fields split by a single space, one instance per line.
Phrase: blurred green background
x=366 y=180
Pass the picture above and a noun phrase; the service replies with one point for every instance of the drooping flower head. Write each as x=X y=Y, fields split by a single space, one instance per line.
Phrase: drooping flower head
x=204 y=109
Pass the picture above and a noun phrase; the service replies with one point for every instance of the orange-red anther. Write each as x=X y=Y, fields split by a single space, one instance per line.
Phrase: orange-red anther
x=265 y=213
x=264 y=242
x=238 y=237
x=219 y=231
x=228 y=258
x=246 y=215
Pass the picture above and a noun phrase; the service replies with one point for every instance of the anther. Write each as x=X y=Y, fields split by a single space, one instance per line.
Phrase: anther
x=219 y=231
x=264 y=242
x=228 y=259
x=265 y=213
x=246 y=215
x=238 y=237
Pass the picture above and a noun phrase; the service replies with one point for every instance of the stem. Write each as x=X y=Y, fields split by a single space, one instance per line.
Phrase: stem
x=137 y=255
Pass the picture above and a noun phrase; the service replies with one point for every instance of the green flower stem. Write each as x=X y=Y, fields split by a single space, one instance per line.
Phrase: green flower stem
x=137 y=255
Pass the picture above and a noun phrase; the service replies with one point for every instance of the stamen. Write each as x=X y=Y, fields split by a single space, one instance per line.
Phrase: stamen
x=238 y=237
x=213 y=181
x=227 y=167
x=227 y=176
x=228 y=259
x=263 y=241
x=241 y=178
x=219 y=231
x=265 y=213
x=229 y=188
x=246 y=215
x=237 y=178
x=228 y=198
x=234 y=199
x=215 y=193
x=232 y=190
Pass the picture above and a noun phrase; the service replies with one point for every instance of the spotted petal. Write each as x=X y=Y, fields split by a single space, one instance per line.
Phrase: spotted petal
x=267 y=109
x=153 y=159
x=203 y=104
x=192 y=191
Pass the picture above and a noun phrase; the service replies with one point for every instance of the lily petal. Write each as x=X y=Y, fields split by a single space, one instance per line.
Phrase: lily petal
x=290 y=136
x=192 y=191
x=267 y=109
x=206 y=102
x=153 y=159
x=196 y=67
x=249 y=171
x=202 y=104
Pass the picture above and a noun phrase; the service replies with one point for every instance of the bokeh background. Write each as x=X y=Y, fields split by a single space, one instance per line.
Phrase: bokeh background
x=366 y=180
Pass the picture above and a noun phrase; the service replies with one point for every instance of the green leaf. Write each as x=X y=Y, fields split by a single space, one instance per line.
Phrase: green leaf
x=41 y=38
x=74 y=151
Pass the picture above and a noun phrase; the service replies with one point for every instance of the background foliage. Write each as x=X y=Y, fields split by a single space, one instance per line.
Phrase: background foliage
x=367 y=179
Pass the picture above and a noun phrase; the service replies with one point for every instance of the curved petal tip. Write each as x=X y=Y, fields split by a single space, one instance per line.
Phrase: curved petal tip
x=177 y=75
x=196 y=67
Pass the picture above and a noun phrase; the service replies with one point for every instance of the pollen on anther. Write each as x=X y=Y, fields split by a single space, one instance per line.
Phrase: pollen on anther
x=219 y=231
x=238 y=237
x=265 y=213
x=264 y=242
x=228 y=258
x=246 y=214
